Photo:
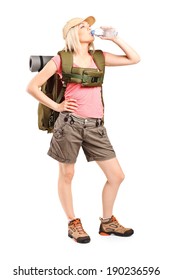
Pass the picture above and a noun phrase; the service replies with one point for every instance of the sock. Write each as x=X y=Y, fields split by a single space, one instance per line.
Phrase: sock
x=104 y=220
x=69 y=220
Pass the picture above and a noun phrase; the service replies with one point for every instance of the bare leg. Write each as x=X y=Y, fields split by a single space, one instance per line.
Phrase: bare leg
x=115 y=176
x=66 y=172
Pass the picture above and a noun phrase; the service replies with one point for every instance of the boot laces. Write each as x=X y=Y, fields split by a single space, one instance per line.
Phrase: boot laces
x=78 y=225
x=115 y=221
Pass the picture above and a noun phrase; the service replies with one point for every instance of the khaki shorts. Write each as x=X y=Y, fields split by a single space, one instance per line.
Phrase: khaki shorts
x=71 y=132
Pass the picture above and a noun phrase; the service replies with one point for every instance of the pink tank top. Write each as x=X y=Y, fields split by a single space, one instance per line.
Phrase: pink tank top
x=88 y=98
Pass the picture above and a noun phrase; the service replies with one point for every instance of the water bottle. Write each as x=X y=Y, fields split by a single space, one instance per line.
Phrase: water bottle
x=105 y=32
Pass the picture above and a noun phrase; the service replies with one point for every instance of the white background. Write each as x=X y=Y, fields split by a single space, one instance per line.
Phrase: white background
x=138 y=117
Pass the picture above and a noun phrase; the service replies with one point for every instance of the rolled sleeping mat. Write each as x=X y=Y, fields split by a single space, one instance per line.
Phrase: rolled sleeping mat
x=37 y=62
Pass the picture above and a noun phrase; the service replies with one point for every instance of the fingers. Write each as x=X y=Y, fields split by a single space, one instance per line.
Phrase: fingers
x=106 y=27
x=105 y=38
x=70 y=105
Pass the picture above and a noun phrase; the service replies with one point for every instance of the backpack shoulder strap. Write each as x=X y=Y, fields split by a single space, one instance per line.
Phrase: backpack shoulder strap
x=66 y=60
x=99 y=59
x=80 y=75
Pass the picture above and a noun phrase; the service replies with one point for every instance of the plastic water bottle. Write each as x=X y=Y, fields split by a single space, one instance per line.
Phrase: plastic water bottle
x=105 y=32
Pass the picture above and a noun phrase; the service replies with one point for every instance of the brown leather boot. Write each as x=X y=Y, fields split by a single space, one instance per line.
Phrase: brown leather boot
x=76 y=231
x=112 y=226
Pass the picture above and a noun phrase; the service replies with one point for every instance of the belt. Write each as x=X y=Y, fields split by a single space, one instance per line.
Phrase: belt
x=72 y=119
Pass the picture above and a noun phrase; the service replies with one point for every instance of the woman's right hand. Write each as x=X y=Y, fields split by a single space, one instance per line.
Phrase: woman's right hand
x=69 y=105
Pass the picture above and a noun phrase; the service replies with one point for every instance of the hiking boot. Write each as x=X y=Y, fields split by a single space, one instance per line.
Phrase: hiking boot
x=111 y=226
x=76 y=231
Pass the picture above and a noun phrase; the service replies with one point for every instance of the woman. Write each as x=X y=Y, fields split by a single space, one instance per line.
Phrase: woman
x=80 y=115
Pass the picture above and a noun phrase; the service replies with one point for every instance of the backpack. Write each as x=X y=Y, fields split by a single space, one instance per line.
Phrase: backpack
x=55 y=87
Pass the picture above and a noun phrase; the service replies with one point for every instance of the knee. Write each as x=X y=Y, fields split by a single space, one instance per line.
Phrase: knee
x=66 y=175
x=117 y=178
x=121 y=177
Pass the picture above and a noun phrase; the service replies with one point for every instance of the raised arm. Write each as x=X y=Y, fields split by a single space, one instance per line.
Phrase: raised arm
x=130 y=55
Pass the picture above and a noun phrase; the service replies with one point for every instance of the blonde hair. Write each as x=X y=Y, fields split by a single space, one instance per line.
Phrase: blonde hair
x=72 y=43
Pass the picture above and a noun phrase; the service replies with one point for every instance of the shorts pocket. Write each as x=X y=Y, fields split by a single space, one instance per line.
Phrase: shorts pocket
x=58 y=130
x=58 y=133
x=102 y=131
x=62 y=130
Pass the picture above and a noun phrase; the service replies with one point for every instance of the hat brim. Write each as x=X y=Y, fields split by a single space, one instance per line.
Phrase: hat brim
x=91 y=20
x=76 y=21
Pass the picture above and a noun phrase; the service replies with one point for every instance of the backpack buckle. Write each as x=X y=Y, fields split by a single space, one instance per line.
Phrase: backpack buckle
x=94 y=79
x=99 y=122
x=51 y=120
